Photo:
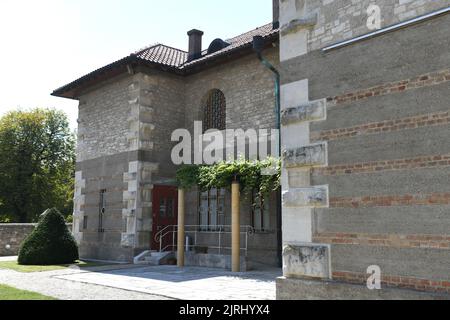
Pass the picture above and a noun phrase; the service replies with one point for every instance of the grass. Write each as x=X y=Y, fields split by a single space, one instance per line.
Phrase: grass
x=10 y=293
x=13 y=265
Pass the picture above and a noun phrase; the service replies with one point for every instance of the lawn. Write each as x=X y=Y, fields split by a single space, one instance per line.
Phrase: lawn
x=9 y=293
x=13 y=265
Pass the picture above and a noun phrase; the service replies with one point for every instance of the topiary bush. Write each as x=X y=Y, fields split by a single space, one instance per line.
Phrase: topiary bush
x=50 y=242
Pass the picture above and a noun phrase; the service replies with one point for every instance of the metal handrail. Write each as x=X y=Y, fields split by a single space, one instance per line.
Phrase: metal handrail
x=202 y=229
x=158 y=234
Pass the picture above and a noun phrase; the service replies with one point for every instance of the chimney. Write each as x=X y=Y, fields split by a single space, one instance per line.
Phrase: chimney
x=195 y=44
x=276 y=14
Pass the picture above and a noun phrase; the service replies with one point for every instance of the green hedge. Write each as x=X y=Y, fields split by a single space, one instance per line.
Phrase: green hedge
x=50 y=242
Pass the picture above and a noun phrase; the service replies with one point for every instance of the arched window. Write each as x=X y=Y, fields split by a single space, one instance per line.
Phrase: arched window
x=214 y=111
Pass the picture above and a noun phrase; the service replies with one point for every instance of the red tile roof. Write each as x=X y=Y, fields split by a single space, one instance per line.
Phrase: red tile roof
x=238 y=42
x=163 y=54
x=171 y=59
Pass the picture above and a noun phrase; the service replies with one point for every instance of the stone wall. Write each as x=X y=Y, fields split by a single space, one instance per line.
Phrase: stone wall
x=12 y=235
x=384 y=167
x=262 y=246
x=248 y=87
x=124 y=146
x=338 y=20
x=125 y=127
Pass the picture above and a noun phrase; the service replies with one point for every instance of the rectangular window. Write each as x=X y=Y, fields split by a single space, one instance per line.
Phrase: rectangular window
x=102 y=209
x=260 y=213
x=211 y=209
x=85 y=222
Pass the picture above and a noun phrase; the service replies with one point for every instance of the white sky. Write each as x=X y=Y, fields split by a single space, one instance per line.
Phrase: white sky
x=46 y=44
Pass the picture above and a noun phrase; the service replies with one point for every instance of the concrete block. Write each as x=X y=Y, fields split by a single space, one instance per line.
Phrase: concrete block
x=308 y=156
x=306 y=197
x=309 y=260
x=127 y=240
x=295 y=25
x=312 y=111
x=297 y=225
x=294 y=93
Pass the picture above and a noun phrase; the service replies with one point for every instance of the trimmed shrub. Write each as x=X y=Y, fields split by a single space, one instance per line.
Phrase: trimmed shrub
x=50 y=242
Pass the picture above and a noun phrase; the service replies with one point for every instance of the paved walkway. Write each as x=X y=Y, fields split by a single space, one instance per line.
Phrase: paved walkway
x=190 y=283
x=127 y=282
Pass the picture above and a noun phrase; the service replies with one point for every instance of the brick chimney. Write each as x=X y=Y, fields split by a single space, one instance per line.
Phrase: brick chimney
x=195 y=44
x=276 y=14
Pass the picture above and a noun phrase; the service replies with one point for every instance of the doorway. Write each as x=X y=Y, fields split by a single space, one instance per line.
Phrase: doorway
x=165 y=214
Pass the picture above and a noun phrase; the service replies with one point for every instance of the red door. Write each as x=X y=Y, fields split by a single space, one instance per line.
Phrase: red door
x=165 y=214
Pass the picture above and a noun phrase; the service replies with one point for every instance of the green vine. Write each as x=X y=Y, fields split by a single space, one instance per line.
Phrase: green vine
x=221 y=175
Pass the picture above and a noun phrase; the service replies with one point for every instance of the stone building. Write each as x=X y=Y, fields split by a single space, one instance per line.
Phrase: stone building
x=364 y=128
x=366 y=137
x=126 y=193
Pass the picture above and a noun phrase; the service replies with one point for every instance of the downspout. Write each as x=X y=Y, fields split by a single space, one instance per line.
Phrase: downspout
x=258 y=47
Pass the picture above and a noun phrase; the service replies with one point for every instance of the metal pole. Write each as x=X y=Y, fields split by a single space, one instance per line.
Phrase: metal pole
x=220 y=241
x=235 y=227
x=181 y=230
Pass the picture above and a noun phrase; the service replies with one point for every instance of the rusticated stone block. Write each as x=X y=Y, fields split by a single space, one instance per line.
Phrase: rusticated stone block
x=312 y=111
x=308 y=156
x=293 y=26
x=128 y=240
x=309 y=260
x=306 y=197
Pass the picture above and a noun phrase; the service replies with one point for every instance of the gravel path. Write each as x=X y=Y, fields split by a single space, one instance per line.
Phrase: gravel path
x=46 y=283
x=131 y=282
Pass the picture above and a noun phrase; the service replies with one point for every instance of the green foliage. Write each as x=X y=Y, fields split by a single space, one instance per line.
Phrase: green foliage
x=37 y=164
x=187 y=176
x=50 y=243
x=222 y=174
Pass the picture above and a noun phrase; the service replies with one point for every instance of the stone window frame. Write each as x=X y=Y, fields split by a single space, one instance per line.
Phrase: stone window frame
x=214 y=111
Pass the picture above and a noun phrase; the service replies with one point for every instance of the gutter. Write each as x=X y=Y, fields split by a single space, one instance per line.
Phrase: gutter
x=258 y=46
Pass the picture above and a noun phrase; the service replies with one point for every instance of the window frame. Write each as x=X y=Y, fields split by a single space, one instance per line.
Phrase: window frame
x=215 y=111
x=219 y=210
x=263 y=204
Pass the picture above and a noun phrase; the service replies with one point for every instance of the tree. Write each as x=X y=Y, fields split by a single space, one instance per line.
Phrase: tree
x=37 y=164
x=50 y=243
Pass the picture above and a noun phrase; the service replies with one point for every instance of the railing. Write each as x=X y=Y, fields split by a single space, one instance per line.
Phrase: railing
x=195 y=231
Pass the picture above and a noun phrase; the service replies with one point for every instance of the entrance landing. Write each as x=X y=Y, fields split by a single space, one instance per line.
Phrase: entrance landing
x=189 y=283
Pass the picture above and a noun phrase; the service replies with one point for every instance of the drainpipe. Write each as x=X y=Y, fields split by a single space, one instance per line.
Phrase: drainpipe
x=258 y=47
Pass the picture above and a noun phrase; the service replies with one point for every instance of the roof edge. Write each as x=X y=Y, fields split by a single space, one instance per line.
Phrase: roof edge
x=72 y=89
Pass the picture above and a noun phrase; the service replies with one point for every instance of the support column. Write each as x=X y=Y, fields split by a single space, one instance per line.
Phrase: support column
x=235 y=227
x=181 y=231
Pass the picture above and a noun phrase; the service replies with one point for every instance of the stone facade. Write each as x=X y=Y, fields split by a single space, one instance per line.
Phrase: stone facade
x=339 y=20
x=385 y=134
x=124 y=146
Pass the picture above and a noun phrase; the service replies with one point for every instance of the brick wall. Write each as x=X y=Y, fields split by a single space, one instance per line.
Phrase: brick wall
x=388 y=166
x=385 y=132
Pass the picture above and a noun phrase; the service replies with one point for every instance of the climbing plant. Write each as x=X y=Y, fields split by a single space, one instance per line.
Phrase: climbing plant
x=262 y=176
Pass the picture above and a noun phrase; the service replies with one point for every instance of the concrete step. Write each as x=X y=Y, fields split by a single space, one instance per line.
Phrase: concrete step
x=153 y=258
